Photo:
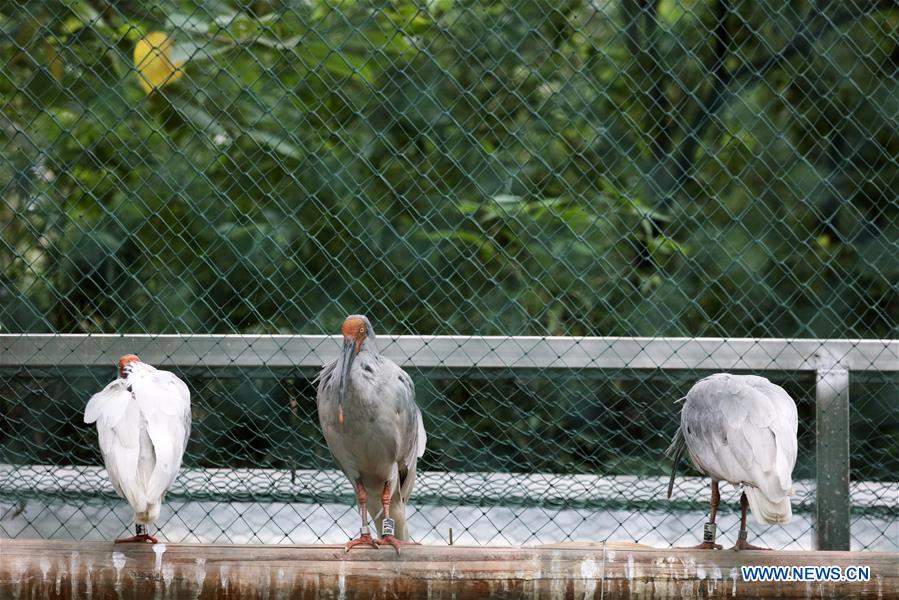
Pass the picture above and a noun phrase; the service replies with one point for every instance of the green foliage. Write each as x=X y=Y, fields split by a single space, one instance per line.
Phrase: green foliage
x=541 y=168
x=469 y=167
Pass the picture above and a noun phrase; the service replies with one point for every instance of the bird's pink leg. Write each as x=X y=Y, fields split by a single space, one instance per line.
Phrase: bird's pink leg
x=742 y=544
x=364 y=535
x=708 y=542
x=142 y=536
x=387 y=525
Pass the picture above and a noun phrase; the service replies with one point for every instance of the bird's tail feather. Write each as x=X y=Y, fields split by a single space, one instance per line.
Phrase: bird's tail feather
x=373 y=504
x=765 y=510
x=407 y=482
x=150 y=515
x=676 y=449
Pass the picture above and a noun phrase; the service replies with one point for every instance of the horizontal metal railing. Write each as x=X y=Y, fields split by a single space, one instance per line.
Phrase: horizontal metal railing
x=486 y=352
x=831 y=360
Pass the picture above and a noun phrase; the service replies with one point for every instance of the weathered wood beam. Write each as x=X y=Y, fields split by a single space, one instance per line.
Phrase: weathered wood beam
x=66 y=569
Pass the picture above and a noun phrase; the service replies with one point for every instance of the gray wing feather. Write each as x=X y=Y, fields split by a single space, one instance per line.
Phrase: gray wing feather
x=676 y=451
x=414 y=436
x=327 y=405
x=738 y=429
x=784 y=425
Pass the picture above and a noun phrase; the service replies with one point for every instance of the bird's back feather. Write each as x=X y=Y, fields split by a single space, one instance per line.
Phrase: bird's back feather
x=742 y=429
x=165 y=403
x=143 y=424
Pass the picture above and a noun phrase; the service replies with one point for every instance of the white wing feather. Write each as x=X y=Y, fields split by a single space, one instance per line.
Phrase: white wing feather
x=422 y=437
x=143 y=424
x=118 y=429
x=108 y=404
x=785 y=426
x=164 y=401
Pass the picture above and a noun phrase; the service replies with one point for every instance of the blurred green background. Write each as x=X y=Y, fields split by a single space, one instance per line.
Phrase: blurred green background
x=559 y=168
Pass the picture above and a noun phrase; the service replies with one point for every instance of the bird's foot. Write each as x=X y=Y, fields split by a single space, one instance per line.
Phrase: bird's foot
x=362 y=540
x=396 y=543
x=143 y=538
x=744 y=545
x=708 y=534
x=705 y=546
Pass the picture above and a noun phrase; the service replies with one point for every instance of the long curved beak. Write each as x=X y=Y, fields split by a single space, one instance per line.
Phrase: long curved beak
x=347 y=356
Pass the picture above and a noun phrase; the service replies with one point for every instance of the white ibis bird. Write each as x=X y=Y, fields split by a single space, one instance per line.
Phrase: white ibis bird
x=143 y=423
x=367 y=411
x=740 y=429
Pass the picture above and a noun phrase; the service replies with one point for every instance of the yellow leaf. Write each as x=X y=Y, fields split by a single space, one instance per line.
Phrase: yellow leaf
x=153 y=60
x=54 y=60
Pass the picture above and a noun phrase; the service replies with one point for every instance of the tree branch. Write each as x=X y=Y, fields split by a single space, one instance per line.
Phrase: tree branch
x=721 y=79
x=721 y=91
x=630 y=14
x=661 y=135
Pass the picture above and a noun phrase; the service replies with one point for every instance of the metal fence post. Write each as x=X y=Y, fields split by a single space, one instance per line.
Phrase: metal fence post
x=832 y=453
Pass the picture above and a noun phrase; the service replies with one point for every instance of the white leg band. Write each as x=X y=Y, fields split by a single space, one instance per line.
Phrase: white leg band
x=387 y=526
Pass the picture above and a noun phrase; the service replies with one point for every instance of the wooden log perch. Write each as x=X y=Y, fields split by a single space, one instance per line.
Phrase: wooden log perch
x=70 y=569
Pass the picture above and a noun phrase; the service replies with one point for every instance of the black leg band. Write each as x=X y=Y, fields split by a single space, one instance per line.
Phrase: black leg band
x=708 y=533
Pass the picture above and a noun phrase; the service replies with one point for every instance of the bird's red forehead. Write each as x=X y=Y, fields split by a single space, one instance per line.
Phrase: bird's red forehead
x=354 y=328
x=128 y=359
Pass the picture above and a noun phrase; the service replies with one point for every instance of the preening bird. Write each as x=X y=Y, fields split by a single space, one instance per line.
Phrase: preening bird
x=143 y=423
x=740 y=429
x=367 y=411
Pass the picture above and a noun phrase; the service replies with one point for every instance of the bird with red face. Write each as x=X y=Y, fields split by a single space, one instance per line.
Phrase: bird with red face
x=143 y=424
x=374 y=429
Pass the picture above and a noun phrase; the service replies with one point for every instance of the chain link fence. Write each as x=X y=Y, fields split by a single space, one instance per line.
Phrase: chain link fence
x=623 y=168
